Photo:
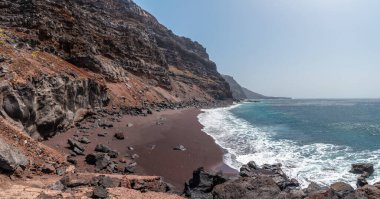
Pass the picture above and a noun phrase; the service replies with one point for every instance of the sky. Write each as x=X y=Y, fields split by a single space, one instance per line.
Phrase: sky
x=292 y=48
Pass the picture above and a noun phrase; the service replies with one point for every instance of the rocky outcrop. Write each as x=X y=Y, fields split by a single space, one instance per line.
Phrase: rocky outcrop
x=47 y=104
x=268 y=182
x=236 y=89
x=62 y=59
x=11 y=158
x=113 y=38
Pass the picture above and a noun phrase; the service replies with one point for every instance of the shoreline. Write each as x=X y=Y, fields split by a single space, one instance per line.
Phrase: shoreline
x=153 y=139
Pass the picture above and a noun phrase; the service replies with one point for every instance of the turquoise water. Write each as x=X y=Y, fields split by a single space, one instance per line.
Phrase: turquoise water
x=315 y=140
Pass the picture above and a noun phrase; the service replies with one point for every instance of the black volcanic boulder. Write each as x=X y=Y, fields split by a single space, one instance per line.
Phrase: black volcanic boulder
x=100 y=160
x=274 y=171
x=262 y=187
x=100 y=192
x=102 y=148
x=361 y=168
x=75 y=146
x=202 y=183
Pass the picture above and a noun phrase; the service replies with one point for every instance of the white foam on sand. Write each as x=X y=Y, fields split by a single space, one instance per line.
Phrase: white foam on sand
x=319 y=162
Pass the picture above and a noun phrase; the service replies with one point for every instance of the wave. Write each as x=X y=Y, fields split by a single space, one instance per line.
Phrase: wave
x=319 y=162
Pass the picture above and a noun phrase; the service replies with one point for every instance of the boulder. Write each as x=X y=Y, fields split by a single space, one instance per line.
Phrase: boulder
x=11 y=158
x=342 y=189
x=260 y=187
x=84 y=140
x=361 y=168
x=369 y=191
x=102 y=148
x=100 y=192
x=100 y=160
x=274 y=171
x=71 y=181
x=202 y=183
x=130 y=167
x=75 y=144
x=105 y=181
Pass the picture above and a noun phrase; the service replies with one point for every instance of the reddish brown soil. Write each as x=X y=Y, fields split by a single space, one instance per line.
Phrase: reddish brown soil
x=178 y=127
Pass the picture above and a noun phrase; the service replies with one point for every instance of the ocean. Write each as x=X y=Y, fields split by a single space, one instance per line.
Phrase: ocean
x=315 y=139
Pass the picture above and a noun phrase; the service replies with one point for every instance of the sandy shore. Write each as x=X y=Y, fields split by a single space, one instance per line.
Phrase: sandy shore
x=153 y=139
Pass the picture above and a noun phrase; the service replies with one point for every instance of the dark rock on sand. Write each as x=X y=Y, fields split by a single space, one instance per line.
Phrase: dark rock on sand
x=361 y=168
x=77 y=151
x=100 y=160
x=102 y=134
x=75 y=146
x=84 y=140
x=100 y=192
x=130 y=167
x=11 y=158
x=72 y=160
x=102 y=148
x=105 y=124
x=119 y=136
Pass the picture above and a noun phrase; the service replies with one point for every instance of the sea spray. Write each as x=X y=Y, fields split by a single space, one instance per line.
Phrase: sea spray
x=323 y=163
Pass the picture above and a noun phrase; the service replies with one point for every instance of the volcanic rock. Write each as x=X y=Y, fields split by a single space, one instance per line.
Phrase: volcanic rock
x=202 y=183
x=342 y=189
x=48 y=168
x=75 y=145
x=84 y=140
x=119 y=136
x=360 y=168
x=102 y=148
x=361 y=182
x=100 y=192
x=11 y=158
x=262 y=187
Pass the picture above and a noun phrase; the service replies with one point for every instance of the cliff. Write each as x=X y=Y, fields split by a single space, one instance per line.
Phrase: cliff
x=239 y=92
x=236 y=89
x=63 y=59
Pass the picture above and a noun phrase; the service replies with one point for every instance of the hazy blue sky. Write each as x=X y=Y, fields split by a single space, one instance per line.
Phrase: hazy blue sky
x=296 y=48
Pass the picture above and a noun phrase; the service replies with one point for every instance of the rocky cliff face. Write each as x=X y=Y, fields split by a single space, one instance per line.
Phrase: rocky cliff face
x=236 y=89
x=113 y=38
x=59 y=58
x=239 y=92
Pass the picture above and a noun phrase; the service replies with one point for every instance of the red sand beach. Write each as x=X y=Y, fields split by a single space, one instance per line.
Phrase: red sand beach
x=153 y=138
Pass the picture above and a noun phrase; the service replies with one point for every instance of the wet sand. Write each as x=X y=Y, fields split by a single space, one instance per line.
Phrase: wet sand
x=153 y=138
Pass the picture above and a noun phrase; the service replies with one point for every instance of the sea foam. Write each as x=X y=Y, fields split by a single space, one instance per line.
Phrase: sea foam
x=319 y=162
